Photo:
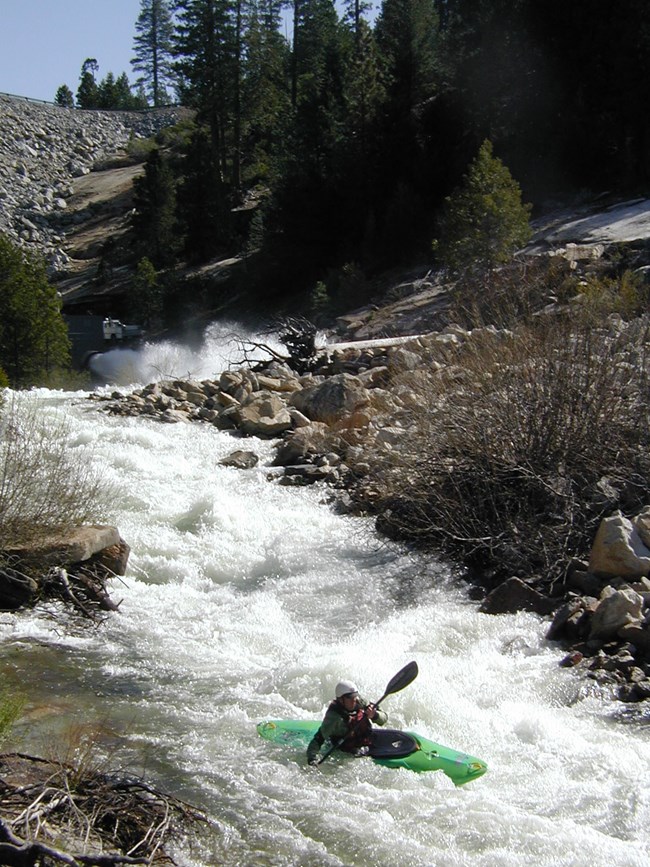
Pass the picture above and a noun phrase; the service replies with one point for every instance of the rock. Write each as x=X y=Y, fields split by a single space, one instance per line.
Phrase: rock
x=114 y=558
x=307 y=473
x=567 y=621
x=514 y=595
x=642 y=526
x=329 y=401
x=67 y=549
x=615 y=609
x=572 y=659
x=241 y=460
x=16 y=590
x=303 y=443
x=263 y=414
x=619 y=550
x=637 y=635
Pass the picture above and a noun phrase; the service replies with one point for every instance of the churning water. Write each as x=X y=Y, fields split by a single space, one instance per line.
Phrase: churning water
x=244 y=601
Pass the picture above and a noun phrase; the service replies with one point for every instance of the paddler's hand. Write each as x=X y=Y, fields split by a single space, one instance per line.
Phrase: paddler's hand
x=371 y=711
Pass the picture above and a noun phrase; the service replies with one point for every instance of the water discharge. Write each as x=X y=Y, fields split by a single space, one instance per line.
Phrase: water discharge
x=245 y=600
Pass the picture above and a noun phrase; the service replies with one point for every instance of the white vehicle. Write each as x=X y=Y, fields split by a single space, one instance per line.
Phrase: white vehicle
x=114 y=330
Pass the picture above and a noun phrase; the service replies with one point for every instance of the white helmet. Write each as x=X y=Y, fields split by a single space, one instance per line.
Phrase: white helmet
x=344 y=687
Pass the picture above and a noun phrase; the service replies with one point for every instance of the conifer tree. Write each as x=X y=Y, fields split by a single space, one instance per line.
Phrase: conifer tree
x=265 y=93
x=154 y=221
x=206 y=47
x=406 y=33
x=153 y=49
x=484 y=221
x=64 y=97
x=33 y=336
x=87 y=94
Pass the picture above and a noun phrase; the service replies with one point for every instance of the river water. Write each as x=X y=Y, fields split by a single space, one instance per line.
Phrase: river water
x=245 y=601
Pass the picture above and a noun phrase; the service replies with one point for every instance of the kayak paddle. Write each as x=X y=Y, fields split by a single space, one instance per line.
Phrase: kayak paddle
x=398 y=682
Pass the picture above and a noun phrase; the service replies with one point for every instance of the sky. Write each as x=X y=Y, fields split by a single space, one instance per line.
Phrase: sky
x=43 y=43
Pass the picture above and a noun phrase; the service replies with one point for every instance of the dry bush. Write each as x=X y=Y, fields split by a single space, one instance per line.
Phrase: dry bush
x=44 y=486
x=521 y=445
x=70 y=807
x=513 y=294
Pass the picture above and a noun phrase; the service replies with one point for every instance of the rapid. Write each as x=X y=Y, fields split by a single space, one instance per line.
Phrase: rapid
x=244 y=601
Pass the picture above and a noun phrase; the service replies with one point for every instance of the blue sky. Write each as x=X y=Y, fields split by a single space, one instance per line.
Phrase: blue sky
x=43 y=43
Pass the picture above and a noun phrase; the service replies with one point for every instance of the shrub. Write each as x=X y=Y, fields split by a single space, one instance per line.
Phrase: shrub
x=511 y=443
x=44 y=485
x=511 y=294
x=11 y=707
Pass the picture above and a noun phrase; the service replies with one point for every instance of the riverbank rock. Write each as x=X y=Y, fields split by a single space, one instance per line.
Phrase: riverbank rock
x=73 y=565
x=619 y=548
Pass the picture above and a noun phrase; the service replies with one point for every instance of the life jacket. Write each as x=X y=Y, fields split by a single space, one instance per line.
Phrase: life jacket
x=358 y=724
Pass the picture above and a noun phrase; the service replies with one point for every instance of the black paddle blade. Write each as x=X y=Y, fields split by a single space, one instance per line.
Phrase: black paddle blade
x=403 y=677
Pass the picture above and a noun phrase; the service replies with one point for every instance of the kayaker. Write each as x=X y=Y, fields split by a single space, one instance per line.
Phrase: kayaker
x=348 y=719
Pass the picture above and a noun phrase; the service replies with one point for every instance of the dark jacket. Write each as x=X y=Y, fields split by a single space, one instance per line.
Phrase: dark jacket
x=352 y=727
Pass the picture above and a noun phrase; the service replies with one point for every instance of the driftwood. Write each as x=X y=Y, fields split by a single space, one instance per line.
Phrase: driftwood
x=105 y=820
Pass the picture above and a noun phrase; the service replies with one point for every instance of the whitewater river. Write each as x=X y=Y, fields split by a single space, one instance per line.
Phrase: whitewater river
x=245 y=601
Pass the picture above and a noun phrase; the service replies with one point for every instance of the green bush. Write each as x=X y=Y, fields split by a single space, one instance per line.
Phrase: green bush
x=11 y=707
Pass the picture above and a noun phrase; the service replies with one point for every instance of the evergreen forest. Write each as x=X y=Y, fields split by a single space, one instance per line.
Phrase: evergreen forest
x=328 y=137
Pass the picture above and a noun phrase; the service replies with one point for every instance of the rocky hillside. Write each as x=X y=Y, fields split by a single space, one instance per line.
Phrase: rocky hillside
x=63 y=178
x=65 y=189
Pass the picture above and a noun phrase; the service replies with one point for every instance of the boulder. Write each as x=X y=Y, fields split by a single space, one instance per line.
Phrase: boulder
x=615 y=609
x=515 y=595
x=263 y=414
x=16 y=590
x=618 y=549
x=642 y=526
x=65 y=549
x=303 y=443
x=114 y=558
x=241 y=460
x=338 y=396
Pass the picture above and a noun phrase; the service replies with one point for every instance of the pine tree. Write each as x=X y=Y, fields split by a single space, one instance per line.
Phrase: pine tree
x=154 y=221
x=64 y=97
x=265 y=97
x=153 y=49
x=146 y=301
x=33 y=336
x=87 y=94
x=406 y=33
x=206 y=45
x=203 y=206
x=484 y=221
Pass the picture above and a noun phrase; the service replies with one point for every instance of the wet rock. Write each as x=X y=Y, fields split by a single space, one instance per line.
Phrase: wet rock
x=514 y=595
x=241 y=460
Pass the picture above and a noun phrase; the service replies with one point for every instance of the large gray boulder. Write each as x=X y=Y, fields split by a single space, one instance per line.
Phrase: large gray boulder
x=329 y=401
x=66 y=549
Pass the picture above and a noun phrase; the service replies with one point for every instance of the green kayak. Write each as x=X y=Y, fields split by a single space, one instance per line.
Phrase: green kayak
x=389 y=747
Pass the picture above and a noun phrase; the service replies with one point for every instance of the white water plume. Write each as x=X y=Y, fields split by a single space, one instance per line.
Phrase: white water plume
x=224 y=345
